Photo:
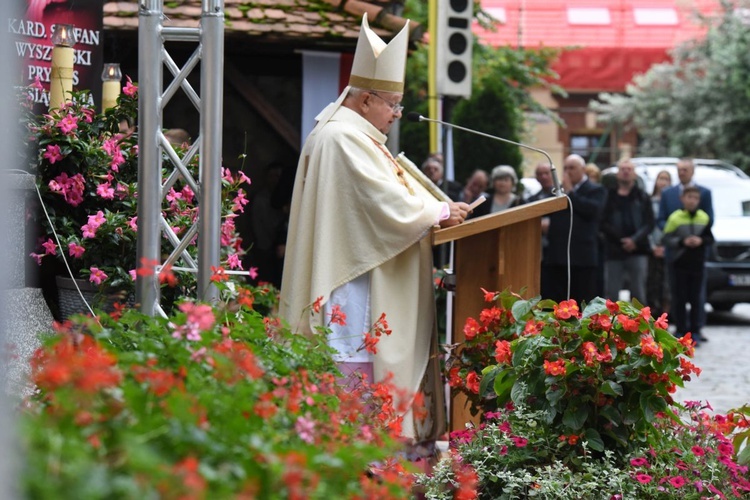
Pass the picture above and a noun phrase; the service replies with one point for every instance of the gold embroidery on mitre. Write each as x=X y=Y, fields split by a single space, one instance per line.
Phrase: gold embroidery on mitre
x=375 y=84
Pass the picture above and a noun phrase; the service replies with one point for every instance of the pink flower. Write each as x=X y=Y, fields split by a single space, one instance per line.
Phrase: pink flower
x=200 y=317
x=97 y=219
x=234 y=261
x=639 y=462
x=106 y=191
x=75 y=250
x=253 y=272
x=239 y=202
x=97 y=275
x=519 y=441
x=227 y=175
x=677 y=481
x=50 y=248
x=37 y=84
x=305 y=428
x=130 y=89
x=133 y=223
x=88 y=231
x=53 y=154
x=132 y=274
x=110 y=146
x=68 y=124
x=243 y=178
x=725 y=449
x=187 y=194
x=37 y=257
x=643 y=478
x=698 y=451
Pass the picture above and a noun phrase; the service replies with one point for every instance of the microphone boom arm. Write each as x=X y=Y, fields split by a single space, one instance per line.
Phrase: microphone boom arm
x=553 y=170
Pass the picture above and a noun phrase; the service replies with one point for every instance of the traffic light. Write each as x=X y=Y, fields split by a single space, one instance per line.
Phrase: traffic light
x=454 y=44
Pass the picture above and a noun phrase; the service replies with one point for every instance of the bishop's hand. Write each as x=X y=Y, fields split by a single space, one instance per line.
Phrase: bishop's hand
x=458 y=213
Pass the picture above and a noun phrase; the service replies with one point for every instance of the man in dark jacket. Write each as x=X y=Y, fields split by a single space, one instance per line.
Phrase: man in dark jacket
x=587 y=199
x=628 y=221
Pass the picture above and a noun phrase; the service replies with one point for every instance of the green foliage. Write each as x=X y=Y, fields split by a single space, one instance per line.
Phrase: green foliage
x=698 y=104
x=212 y=402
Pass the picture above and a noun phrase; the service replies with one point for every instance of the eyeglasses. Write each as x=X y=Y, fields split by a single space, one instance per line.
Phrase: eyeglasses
x=395 y=107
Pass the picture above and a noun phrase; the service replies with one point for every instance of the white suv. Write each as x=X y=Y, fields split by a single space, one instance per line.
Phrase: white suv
x=728 y=267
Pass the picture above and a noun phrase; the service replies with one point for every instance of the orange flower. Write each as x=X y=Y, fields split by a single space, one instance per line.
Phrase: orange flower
x=590 y=353
x=490 y=316
x=567 y=309
x=612 y=307
x=337 y=316
x=662 y=322
x=454 y=380
x=533 y=327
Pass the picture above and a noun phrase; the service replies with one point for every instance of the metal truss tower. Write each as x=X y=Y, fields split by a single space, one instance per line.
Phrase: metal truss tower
x=152 y=189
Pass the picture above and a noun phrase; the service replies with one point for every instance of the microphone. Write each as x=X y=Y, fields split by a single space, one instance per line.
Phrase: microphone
x=413 y=116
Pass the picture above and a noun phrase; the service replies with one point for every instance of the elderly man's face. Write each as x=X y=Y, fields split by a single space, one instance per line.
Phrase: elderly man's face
x=383 y=109
x=574 y=170
x=544 y=176
x=433 y=170
x=478 y=183
x=685 y=171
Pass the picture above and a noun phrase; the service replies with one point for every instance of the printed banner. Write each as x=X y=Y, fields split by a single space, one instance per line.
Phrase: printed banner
x=32 y=34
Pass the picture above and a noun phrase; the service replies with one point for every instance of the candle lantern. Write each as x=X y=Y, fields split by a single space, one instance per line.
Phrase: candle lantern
x=61 y=76
x=111 y=76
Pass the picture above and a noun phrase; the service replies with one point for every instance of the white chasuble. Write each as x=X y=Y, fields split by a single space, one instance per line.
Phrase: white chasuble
x=355 y=211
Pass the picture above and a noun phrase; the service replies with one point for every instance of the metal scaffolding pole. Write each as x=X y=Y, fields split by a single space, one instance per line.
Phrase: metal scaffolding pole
x=149 y=156
x=153 y=146
x=212 y=99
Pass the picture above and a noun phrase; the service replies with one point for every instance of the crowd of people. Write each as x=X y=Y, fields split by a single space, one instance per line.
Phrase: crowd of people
x=621 y=239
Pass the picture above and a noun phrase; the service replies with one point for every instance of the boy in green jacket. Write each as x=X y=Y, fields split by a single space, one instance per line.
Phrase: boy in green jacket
x=687 y=235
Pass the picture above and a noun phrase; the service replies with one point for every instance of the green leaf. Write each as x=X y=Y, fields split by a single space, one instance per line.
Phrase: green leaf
x=488 y=377
x=574 y=418
x=596 y=306
x=594 y=440
x=523 y=307
x=503 y=384
x=651 y=404
x=519 y=392
x=555 y=396
x=611 y=388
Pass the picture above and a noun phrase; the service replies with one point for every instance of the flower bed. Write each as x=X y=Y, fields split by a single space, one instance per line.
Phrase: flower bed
x=210 y=403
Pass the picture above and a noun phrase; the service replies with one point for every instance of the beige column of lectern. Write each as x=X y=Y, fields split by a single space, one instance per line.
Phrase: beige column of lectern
x=493 y=252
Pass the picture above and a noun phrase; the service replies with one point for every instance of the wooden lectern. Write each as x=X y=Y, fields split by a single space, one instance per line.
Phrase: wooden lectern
x=493 y=252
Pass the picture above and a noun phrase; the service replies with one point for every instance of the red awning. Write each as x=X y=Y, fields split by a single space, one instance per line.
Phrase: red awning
x=607 y=42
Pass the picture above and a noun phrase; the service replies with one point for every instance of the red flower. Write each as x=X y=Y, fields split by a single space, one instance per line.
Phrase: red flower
x=698 y=451
x=554 y=368
x=628 y=324
x=533 y=327
x=472 y=382
x=472 y=328
x=490 y=316
x=454 y=379
x=662 y=322
x=337 y=316
x=567 y=309
x=503 y=353
x=650 y=348
x=316 y=305
x=612 y=307
x=488 y=296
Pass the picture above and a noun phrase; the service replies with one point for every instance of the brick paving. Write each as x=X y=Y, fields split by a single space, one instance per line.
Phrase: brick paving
x=725 y=361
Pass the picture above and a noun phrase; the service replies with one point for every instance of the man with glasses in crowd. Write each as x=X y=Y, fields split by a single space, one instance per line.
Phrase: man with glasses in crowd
x=357 y=243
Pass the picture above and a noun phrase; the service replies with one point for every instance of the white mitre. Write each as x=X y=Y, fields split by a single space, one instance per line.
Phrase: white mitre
x=377 y=66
